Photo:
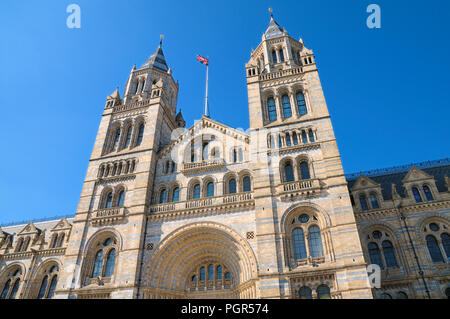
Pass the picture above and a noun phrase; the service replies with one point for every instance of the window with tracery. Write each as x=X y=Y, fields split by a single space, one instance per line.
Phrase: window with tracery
x=381 y=250
x=104 y=258
x=48 y=283
x=11 y=284
x=437 y=239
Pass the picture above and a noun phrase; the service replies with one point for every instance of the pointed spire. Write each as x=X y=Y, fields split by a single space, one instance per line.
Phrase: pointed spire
x=115 y=95
x=273 y=30
x=157 y=59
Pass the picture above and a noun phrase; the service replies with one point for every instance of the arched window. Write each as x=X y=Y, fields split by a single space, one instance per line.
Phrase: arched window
x=98 y=264
x=121 y=198
x=247 y=186
x=287 y=111
x=202 y=274
x=61 y=240
x=374 y=254
x=116 y=139
x=416 y=194
x=232 y=186
x=402 y=295
x=445 y=238
x=298 y=243
x=5 y=289
x=51 y=291
x=274 y=57
x=428 y=193
x=288 y=140
x=311 y=136
x=140 y=135
x=280 y=142
x=323 y=292
x=163 y=196
x=434 y=249
x=288 y=173
x=389 y=254
x=108 y=203
x=15 y=289
x=301 y=103
x=315 y=242
x=210 y=189
x=281 y=55
x=304 y=138
x=176 y=194
x=305 y=293
x=43 y=288
x=211 y=272
x=374 y=201
x=304 y=171
x=219 y=272
x=294 y=138
x=196 y=191
x=272 y=109
x=363 y=202
x=110 y=262
x=128 y=137
x=55 y=241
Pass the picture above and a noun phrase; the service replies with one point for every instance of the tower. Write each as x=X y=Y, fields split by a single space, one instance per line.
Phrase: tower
x=305 y=225
x=109 y=225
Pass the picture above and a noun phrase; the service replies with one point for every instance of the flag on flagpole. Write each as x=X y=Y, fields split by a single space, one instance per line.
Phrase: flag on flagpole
x=202 y=60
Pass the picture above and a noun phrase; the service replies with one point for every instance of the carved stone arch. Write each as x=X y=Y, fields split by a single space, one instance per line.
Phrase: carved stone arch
x=7 y=268
x=190 y=244
x=103 y=193
x=322 y=215
x=38 y=275
x=116 y=192
x=379 y=225
x=7 y=273
x=429 y=218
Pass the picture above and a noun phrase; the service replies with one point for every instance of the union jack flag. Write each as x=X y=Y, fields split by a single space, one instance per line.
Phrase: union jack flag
x=202 y=60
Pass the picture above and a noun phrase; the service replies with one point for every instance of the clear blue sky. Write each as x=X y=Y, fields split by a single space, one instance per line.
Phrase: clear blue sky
x=387 y=90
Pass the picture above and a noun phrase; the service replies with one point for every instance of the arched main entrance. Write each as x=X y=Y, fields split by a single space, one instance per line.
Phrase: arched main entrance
x=201 y=260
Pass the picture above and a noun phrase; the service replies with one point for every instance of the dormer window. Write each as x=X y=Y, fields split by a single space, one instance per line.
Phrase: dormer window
x=374 y=201
x=281 y=55
x=363 y=202
x=417 y=195
x=428 y=194
x=274 y=57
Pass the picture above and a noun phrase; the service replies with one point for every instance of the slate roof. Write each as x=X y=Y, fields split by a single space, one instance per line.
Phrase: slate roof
x=156 y=61
x=273 y=30
x=395 y=175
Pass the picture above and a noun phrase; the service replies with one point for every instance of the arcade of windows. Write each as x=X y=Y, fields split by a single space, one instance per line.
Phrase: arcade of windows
x=291 y=138
x=113 y=198
x=207 y=189
x=295 y=170
x=22 y=244
x=373 y=199
x=123 y=135
x=210 y=277
x=418 y=195
x=57 y=240
x=117 y=168
x=305 y=240
x=286 y=102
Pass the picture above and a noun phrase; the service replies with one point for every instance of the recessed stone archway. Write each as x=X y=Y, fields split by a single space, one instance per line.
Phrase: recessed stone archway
x=167 y=272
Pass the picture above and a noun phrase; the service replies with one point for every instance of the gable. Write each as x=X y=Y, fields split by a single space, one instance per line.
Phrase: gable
x=29 y=229
x=63 y=224
x=416 y=174
x=363 y=182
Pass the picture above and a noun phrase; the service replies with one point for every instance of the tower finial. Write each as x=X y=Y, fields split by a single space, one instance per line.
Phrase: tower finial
x=161 y=37
x=271 y=14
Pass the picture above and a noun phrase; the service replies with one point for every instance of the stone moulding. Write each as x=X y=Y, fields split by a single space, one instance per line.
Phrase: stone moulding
x=204 y=166
x=29 y=254
x=293 y=149
x=298 y=189
x=108 y=216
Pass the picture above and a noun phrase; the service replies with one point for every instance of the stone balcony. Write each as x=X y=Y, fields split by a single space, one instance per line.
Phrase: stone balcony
x=108 y=215
x=304 y=188
x=204 y=166
x=216 y=203
x=279 y=74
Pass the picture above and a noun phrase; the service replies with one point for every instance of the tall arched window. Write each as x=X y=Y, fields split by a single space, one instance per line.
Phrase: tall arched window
x=305 y=293
x=389 y=254
x=434 y=249
x=176 y=194
x=98 y=264
x=298 y=243
x=210 y=189
x=117 y=139
x=416 y=194
x=232 y=186
x=287 y=111
x=272 y=109
x=428 y=193
x=323 y=292
x=128 y=137
x=281 y=55
x=363 y=202
x=121 y=198
x=288 y=140
x=108 y=203
x=445 y=238
x=247 y=186
x=301 y=103
x=140 y=135
x=61 y=240
x=196 y=191
x=43 y=287
x=51 y=291
x=304 y=138
x=15 y=289
x=311 y=136
x=288 y=173
x=374 y=254
x=294 y=138
x=274 y=57
x=110 y=262
x=5 y=289
x=374 y=201
x=304 y=171
x=211 y=272
x=163 y=196
x=315 y=242
x=219 y=272
x=202 y=274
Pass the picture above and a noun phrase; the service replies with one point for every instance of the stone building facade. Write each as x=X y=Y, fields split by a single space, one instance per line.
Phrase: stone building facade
x=215 y=212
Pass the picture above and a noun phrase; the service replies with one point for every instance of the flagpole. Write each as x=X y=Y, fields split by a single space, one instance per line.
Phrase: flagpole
x=206 y=95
